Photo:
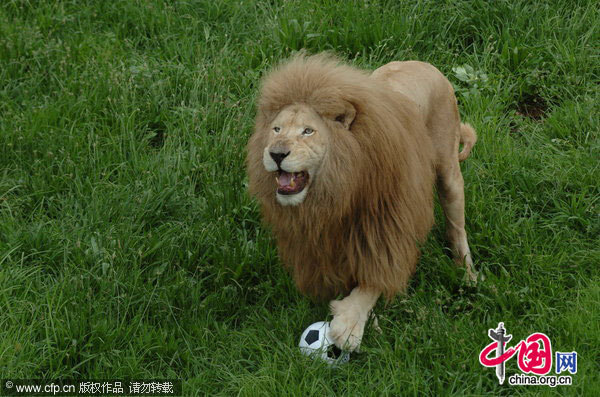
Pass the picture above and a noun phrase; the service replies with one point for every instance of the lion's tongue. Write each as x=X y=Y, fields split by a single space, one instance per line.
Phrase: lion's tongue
x=285 y=179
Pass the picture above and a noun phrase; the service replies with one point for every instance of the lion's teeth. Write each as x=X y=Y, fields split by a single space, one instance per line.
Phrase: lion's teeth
x=292 y=182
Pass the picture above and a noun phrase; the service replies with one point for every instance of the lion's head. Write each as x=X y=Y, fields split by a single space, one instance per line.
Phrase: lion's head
x=303 y=136
x=333 y=162
x=297 y=145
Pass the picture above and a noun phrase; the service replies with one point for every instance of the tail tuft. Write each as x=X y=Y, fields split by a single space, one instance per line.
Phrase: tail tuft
x=468 y=137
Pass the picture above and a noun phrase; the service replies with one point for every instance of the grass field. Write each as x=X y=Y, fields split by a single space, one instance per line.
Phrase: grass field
x=129 y=247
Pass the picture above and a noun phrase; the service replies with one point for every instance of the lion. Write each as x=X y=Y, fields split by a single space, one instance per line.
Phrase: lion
x=344 y=164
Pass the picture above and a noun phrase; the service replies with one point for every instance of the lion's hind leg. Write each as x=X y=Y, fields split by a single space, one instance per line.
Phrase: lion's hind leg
x=450 y=186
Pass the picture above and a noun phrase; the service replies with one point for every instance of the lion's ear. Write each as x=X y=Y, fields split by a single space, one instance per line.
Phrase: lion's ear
x=348 y=116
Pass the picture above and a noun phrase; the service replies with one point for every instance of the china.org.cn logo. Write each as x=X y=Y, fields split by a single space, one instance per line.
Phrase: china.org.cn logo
x=534 y=357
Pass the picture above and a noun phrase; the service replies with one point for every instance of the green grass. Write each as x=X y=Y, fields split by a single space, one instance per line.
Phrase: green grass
x=129 y=247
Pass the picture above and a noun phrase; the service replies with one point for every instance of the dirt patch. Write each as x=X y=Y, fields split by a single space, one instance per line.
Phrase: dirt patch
x=532 y=106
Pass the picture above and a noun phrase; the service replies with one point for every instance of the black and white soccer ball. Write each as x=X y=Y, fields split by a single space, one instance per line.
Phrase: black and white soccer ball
x=316 y=343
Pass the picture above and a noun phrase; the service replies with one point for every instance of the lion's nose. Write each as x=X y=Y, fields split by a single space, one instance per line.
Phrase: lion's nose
x=278 y=157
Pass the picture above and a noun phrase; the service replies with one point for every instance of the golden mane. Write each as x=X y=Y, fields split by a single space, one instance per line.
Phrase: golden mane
x=371 y=206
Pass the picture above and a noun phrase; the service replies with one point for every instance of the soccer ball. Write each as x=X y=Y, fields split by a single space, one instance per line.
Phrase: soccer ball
x=316 y=343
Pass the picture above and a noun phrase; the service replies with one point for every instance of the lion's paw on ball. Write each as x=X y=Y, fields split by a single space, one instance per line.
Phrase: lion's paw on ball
x=316 y=342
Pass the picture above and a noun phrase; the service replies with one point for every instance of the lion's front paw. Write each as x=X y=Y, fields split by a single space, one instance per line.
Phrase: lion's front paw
x=347 y=326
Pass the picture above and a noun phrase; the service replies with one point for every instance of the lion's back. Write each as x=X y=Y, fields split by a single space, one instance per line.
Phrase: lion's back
x=418 y=81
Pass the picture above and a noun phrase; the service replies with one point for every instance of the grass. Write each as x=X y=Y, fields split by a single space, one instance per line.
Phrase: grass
x=129 y=247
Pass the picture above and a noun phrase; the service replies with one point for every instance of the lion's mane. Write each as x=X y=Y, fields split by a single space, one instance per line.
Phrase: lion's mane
x=370 y=206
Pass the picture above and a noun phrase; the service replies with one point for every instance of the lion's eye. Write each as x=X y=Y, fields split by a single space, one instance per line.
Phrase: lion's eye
x=308 y=131
x=276 y=129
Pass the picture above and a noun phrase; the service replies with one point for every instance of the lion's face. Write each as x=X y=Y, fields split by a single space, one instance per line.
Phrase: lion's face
x=297 y=144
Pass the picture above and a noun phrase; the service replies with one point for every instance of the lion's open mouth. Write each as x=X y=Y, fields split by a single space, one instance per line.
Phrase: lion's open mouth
x=291 y=182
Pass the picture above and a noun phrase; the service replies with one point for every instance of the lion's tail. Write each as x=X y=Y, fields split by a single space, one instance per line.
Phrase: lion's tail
x=468 y=137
